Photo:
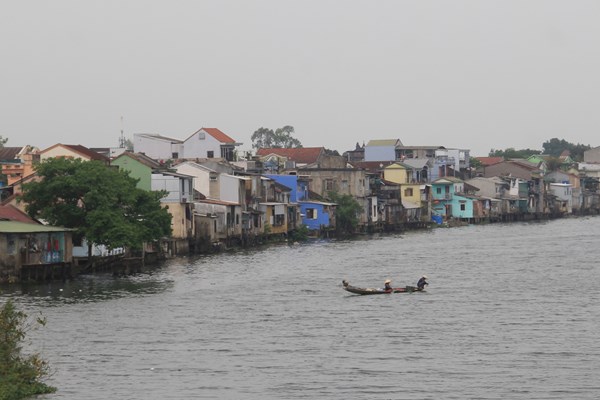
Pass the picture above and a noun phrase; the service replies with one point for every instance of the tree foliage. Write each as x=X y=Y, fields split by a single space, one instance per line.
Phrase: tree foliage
x=280 y=138
x=512 y=153
x=2 y=141
x=20 y=376
x=128 y=144
x=555 y=147
x=103 y=204
x=475 y=163
x=346 y=214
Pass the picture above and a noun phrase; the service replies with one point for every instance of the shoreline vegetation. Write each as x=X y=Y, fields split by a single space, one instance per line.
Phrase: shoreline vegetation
x=21 y=375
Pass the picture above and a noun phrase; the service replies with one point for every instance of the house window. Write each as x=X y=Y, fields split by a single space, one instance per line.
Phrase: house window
x=329 y=185
x=77 y=240
x=201 y=136
x=175 y=155
x=344 y=186
x=237 y=219
x=210 y=154
x=279 y=219
x=408 y=192
x=227 y=153
x=311 y=213
x=12 y=244
x=463 y=207
x=438 y=190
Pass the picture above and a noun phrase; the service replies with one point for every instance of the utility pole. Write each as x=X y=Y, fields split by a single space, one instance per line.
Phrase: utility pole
x=122 y=138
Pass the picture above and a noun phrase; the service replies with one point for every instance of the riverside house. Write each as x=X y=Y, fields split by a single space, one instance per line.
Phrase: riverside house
x=179 y=203
x=31 y=250
x=410 y=190
x=204 y=143
x=139 y=167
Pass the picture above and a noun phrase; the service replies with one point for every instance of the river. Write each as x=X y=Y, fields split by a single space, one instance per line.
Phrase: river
x=512 y=312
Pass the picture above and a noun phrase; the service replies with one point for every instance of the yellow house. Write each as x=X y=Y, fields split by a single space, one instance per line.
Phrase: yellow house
x=397 y=173
x=410 y=189
x=275 y=216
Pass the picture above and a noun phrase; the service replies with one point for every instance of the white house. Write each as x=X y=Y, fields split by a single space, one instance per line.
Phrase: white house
x=209 y=143
x=178 y=201
x=178 y=186
x=564 y=196
x=204 y=177
x=156 y=146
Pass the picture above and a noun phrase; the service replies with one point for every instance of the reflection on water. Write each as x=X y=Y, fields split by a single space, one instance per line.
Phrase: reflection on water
x=86 y=288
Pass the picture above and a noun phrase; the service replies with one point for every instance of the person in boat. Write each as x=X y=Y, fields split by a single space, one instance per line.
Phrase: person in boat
x=387 y=285
x=422 y=282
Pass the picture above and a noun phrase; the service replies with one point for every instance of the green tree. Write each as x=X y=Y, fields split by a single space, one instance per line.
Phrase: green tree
x=20 y=376
x=555 y=147
x=102 y=204
x=512 y=153
x=2 y=141
x=128 y=144
x=553 y=163
x=475 y=163
x=346 y=213
x=280 y=138
x=262 y=138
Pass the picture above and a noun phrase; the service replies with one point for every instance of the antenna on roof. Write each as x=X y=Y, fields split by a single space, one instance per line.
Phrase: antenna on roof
x=122 y=138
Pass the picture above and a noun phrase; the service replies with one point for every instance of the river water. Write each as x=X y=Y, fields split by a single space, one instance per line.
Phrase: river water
x=512 y=312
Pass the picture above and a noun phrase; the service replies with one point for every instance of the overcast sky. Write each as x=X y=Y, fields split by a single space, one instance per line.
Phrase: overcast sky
x=469 y=74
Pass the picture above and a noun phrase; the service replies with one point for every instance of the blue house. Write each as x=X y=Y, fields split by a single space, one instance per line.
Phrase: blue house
x=299 y=191
x=443 y=191
x=317 y=215
x=449 y=200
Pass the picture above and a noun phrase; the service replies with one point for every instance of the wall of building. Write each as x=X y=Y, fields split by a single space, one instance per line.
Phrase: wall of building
x=200 y=144
x=136 y=170
x=380 y=153
x=158 y=149
x=201 y=177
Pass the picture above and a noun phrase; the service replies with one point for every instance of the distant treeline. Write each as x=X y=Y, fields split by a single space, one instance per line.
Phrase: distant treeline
x=553 y=147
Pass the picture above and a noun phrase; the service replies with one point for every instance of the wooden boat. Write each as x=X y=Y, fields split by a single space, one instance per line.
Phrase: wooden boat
x=364 y=291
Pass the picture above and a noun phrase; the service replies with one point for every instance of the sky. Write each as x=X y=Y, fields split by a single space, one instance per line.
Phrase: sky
x=476 y=74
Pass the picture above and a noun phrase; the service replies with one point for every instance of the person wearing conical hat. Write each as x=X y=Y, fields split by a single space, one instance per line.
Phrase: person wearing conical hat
x=387 y=285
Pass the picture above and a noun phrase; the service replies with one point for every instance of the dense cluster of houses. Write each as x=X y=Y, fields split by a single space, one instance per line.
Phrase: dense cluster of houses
x=217 y=198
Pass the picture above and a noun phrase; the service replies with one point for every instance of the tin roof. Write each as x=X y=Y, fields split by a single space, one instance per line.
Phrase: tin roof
x=9 y=153
x=22 y=227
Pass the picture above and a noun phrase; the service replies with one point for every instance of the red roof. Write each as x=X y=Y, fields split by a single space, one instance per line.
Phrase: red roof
x=303 y=155
x=217 y=134
x=487 y=161
x=12 y=213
